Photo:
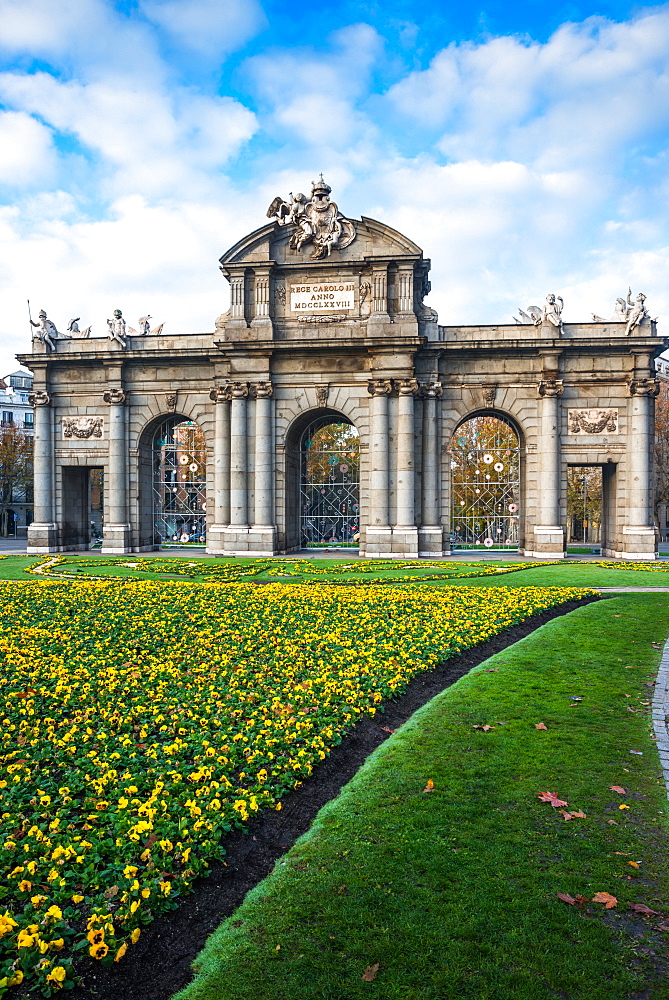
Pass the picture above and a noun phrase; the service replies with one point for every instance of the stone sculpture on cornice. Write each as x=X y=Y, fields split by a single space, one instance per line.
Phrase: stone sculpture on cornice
x=317 y=221
x=47 y=331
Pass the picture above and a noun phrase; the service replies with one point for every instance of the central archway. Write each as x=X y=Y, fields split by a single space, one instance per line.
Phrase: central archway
x=329 y=483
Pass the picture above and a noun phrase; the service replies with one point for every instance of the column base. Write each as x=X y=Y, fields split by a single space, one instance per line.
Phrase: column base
x=430 y=543
x=548 y=542
x=255 y=541
x=405 y=542
x=42 y=539
x=378 y=542
x=215 y=539
x=638 y=543
x=115 y=539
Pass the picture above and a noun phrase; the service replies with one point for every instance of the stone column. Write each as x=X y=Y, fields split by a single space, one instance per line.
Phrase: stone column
x=430 y=533
x=378 y=532
x=639 y=533
x=262 y=534
x=220 y=505
x=239 y=392
x=116 y=529
x=405 y=533
x=548 y=532
x=42 y=533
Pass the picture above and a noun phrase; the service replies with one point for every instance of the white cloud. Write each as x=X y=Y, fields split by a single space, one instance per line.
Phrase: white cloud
x=211 y=28
x=146 y=140
x=27 y=154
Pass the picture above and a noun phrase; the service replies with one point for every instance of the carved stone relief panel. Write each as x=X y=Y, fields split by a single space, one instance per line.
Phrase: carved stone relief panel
x=593 y=421
x=83 y=427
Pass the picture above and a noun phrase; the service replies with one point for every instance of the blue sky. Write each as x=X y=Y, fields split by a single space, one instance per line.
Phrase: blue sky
x=523 y=146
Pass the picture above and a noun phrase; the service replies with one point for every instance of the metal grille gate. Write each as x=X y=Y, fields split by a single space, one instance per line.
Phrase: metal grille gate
x=179 y=481
x=485 y=484
x=330 y=484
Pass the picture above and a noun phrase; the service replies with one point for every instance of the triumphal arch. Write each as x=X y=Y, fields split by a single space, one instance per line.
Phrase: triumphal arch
x=328 y=406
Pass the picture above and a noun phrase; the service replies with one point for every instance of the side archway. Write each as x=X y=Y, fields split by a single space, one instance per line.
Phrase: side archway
x=173 y=482
x=485 y=483
x=323 y=495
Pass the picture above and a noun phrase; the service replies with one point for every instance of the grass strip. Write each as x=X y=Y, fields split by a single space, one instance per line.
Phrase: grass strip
x=452 y=892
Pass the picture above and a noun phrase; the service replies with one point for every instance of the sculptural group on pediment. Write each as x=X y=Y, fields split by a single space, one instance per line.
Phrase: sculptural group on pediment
x=317 y=221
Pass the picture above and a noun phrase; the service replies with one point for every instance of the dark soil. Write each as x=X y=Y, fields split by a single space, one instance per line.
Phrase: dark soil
x=160 y=963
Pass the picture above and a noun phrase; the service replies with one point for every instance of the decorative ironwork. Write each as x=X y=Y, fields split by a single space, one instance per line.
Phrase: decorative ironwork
x=485 y=484
x=584 y=504
x=179 y=481
x=330 y=484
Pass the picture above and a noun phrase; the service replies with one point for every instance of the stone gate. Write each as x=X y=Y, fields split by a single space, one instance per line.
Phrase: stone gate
x=457 y=435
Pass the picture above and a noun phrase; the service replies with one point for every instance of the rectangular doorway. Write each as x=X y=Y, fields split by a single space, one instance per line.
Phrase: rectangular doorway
x=83 y=502
x=584 y=507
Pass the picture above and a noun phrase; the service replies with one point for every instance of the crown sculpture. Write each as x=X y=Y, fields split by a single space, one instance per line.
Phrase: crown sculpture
x=317 y=220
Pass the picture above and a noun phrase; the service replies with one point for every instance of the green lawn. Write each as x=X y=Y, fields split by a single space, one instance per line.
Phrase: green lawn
x=452 y=893
x=570 y=573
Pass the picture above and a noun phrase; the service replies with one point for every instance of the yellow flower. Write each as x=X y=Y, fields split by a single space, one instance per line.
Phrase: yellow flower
x=77 y=898
x=134 y=906
x=57 y=976
x=57 y=944
x=7 y=924
x=98 y=950
x=54 y=913
x=96 y=936
x=25 y=885
x=37 y=900
x=121 y=952
x=28 y=936
x=134 y=937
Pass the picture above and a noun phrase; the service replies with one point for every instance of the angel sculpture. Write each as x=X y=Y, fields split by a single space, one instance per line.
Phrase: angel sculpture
x=317 y=221
x=637 y=313
x=552 y=311
x=73 y=329
x=117 y=328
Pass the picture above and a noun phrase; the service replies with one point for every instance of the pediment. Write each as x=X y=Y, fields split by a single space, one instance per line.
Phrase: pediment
x=270 y=243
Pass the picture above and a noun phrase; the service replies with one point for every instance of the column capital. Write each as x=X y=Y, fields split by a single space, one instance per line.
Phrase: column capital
x=407 y=387
x=429 y=390
x=262 y=390
x=644 y=387
x=238 y=390
x=115 y=397
x=550 y=387
x=220 y=394
x=380 y=387
x=39 y=398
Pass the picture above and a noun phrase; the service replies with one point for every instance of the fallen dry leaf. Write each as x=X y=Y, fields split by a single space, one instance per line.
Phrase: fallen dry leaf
x=619 y=789
x=485 y=728
x=385 y=729
x=606 y=898
x=634 y=864
x=612 y=822
x=623 y=806
x=642 y=908
x=540 y=725
x=578 y=814
x=370 y=972
x=430 y=786
x=552 y=798
x=623 y=853
x=566 y=898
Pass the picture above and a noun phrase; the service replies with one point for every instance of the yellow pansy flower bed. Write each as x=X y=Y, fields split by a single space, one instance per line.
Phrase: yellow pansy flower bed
x=142 y=721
